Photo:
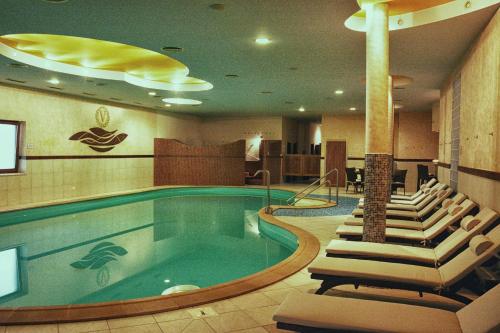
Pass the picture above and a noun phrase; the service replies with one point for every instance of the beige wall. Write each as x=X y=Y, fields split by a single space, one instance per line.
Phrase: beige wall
x=52 y=119
x=225 y=130
x=413 y=139
x=479 y=118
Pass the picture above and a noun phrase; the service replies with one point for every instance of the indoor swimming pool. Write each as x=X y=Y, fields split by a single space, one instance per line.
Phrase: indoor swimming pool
x=137 y=245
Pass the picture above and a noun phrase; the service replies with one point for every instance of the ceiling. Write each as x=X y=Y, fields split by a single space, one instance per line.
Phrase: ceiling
x=311 y=55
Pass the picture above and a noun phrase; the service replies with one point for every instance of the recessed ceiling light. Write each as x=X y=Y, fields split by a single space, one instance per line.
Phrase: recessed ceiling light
x=53 y=81
x=339 y=92
x=352 y=108
x=168 y=105
x=172 y=49
x=398 y=106
x=263 y=41
x=302 y=109
x=181 y=101
x=151 y=93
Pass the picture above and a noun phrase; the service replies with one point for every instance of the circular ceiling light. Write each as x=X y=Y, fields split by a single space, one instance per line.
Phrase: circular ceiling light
x=398 y=106
x=262 y=41
x=352 y=108
x=302 y=109
x=151 y=93
x=339 y=92
x=168 y=105
x=181 y=101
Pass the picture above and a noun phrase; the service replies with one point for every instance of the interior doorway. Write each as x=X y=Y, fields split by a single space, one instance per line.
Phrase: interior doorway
x=336 y=157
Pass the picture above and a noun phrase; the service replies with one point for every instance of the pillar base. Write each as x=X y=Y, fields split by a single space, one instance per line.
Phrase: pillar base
x=376 y=185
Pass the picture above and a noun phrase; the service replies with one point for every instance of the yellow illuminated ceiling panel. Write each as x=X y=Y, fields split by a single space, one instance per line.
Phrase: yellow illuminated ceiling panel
x=412 y=13
x=101 y=59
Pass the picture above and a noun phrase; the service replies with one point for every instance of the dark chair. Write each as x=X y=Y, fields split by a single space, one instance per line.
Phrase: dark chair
x=351 y=178
x=361 y=183
x=399 y=180
x=423 y=175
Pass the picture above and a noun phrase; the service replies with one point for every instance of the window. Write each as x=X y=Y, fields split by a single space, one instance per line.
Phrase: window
x=9 y=146
x=9 y=271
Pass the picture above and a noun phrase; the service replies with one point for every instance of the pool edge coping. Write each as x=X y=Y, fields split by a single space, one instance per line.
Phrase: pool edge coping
x=307 y=250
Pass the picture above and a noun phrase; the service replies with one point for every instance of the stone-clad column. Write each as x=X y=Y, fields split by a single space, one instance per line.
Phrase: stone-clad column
x=390 y=119
x=377 y=147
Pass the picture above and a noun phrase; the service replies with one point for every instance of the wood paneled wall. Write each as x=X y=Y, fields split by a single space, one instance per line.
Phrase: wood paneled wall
x=176 y=163
x=301 y=165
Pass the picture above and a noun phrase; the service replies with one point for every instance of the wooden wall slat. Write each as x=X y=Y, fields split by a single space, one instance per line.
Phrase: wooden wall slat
x=176 y=163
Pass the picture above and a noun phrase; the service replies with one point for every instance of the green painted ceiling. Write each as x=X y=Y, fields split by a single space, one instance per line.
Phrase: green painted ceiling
x=311 y=55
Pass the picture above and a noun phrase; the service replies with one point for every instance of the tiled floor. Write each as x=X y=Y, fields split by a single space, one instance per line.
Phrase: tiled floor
x=250 y=313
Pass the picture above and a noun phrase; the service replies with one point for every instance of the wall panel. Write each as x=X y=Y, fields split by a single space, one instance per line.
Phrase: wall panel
x=176 y=163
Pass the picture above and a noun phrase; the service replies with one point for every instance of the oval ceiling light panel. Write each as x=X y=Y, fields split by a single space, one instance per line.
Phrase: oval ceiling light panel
x=181 y=101
x=405 y=14
x=102 y=60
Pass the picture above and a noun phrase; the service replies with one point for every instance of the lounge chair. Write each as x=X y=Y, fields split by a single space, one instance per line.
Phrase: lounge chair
x=454 y=214
x=445 y=280
x=419 y=214
x=314 y=313
x=417 y=225
x=428 y=196
x=430 y=184
x=469 y=227
x=421 y=197
x=417 y=197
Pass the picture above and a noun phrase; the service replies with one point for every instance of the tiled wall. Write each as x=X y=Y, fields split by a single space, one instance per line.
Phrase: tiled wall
x=478 y=125
x=51 y=120
x=413 y=139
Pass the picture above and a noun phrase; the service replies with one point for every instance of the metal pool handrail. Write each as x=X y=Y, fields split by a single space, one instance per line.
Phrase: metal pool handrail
x=292 y=200
x=267 y=180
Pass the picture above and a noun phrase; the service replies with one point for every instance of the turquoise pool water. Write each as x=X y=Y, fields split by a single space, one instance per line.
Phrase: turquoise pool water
x=136 y=245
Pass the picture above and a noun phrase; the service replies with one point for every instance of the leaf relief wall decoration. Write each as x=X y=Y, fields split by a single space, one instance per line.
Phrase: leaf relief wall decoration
x=97 y=138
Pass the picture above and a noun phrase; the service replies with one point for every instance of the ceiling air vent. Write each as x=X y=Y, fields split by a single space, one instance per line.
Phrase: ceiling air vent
x=172 y=49
x=16 y=81
x=217 y=6
x=17 y=65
